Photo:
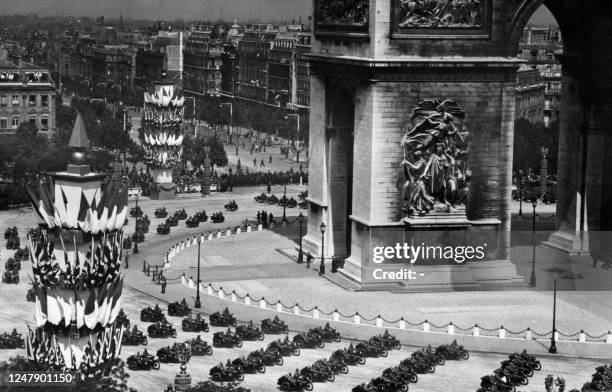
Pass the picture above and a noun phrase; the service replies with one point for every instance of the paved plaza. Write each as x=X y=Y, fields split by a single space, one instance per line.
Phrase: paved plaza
x=252 y=263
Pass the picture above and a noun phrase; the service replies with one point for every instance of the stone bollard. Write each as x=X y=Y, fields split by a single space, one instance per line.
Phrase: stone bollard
x=210 y=236
x=296 y=309
x=228 y=232
x=609 y=338
x=249 y=229
x=262 y=303
x=357 y=319
x=238 y=230
x=209 y=290
x=451 y=329
x=476 y=330
x=502 y=333
x=218 y=234
x=191 y=283
x=183 y=280
x=315 y=312
x=402 y=323
x=221 y=294
x=379 y=321
x=528 y=334
x=279 y=306
x=336 y=315
x=582 y=337
x=425 y=326
x=233 y=297
x=247 y=300
x=259 y=227
x=202 y=288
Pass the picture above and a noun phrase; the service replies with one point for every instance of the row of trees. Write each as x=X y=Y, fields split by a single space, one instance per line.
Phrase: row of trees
x=252 y=115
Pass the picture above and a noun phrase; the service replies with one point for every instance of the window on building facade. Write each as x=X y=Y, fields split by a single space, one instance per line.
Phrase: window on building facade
x=32 y=101
x=15 y=122
x=32 y=120
x=15 y=100
x=3 y=123
x=44 y=122
x=44 y=101
x=3 y=100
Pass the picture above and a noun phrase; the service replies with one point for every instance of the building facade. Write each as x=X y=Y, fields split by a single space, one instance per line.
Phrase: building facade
x=530 y=95
x=253 y=56
x=26 y=95
x=202 y=72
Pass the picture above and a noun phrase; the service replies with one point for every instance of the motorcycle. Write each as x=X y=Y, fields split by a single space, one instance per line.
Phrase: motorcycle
x=517 y=368
x=420 y=367
x=226 y=339
x=161 y=212
x=274 y=326
x=163 y=229
x=307 y=340
x=230 y=373
x=318 y=373
x=134 y=337
x=143 y=361
x=389 y=384
x=511 y=378
x=294 y=382
x=192 y=222
x=496 y=384
x=152 y=315
x=231 y=206
x=429 y=354
x=217 y=217
x=123 y=320
x=267 y=357
x=388 y=341
x=161 y=329
x=327 y=333
x=452 y=351
x=527 y=359
x=405 y=373
x=285 y=347
x=10 y=277
x=180 y=214
x=201 y=216
x=200 y=347
x=371 y=349
x=249 y=332
x=350 y=356
x=337 y=365
x=197 y=324
x=179 y=309
x=12 y=340
x=249 y=365
x=224 y=319
x=178 y=353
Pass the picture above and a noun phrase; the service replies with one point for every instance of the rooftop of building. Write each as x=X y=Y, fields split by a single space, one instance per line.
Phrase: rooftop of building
x=24 y=66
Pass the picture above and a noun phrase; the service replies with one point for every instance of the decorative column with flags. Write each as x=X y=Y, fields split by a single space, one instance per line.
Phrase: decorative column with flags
x=163 y=133
x=75 y=263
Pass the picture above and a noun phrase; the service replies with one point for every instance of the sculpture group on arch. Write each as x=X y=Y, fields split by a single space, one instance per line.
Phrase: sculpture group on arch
x=435 y=159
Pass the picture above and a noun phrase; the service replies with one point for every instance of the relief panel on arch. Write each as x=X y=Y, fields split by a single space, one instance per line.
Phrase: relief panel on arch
x=447 y=18
x=340 y=17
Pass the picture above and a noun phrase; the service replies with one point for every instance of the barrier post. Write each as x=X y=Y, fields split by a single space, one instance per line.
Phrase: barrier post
x=426 y=326
x=476 y=330
x=502 y=332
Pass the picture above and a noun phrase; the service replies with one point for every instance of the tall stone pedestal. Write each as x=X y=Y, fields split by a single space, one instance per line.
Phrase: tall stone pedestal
x=454 y=254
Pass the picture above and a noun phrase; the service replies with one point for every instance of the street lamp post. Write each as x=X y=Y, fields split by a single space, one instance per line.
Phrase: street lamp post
x=322 y=266
x=532 y=279
x=553 y=344
x=297 y=115
x=300 y=259
x=520 y=184
x=198 y=304
x=285 y=204
x=231 y=107
x=136 y=228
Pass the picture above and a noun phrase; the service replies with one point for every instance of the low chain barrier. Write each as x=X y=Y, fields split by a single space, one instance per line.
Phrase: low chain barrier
x=335 y=315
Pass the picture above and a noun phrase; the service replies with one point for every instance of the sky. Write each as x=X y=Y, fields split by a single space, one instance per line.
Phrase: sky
x=164 y=9
x=261 y=10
